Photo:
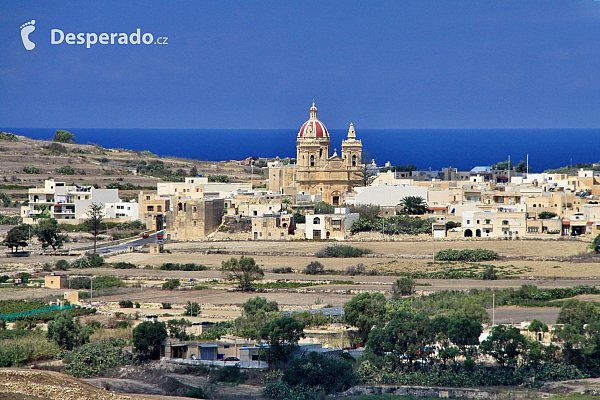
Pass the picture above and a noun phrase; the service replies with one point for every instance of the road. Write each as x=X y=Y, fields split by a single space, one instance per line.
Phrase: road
x=136 y=242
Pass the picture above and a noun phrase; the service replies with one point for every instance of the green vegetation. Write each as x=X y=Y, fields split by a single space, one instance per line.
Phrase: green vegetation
x=126 y=304
x=31 y=170
x=67 y=332
x=10 y=220
x=342 y=251
x=218 y=178
x=285 y=285
x=124 y=265
x=63 y=136
x=93 y=221
x=244 y=272
x=182 y=267
x=413 y=205
x=314 y=268
x=93 y=359
x=147 y=338
x=404 y=286
x=18 y=347
x=157 y=168
x=192 y=309
x=171 y=284
x=48 y=233
x=100 y=282
x=11 y=137
x=546 y=215
x=400 y=224
x=474 y=255
x=65 y=170
x=17 y=237
x=283 y=270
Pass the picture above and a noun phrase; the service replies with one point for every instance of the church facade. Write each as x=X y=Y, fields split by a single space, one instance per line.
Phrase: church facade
x=317 y=171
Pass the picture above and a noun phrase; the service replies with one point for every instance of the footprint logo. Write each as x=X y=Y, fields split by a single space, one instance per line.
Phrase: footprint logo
x=26 y=29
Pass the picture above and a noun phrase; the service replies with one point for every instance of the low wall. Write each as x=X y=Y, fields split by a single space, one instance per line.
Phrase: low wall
x=423 y=391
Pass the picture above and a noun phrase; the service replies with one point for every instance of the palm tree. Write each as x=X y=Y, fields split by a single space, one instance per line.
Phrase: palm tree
x=414 y=205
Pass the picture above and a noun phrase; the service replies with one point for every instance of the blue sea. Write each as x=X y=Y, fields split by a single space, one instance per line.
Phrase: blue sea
x=425 y=148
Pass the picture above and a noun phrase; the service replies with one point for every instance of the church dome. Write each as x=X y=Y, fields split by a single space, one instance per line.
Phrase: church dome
x=313 y=127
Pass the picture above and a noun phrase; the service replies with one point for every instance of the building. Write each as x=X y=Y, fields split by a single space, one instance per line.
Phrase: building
x=494 y=224
x=316 y=171
x=153 y=210
x=56 y=281
x=276 y=226
x=330 y=226
x=65 y=203
x=127 y=211
x=193 y=219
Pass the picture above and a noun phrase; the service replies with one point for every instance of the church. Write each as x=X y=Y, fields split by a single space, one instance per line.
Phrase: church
x=316 y=171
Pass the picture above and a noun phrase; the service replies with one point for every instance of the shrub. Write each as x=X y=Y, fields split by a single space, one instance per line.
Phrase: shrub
x=467 y=255
x=196 y=393
x=332 y=373
x=489 y=274
x=62 y=265
x=403 y=287
x=94 y=358
x=31 y=170
x=546 y=215
x=166 y=306
x=95 y=260
x=126 y=304
x=182 y=267
x=359 y=269
x=342 y=251
x=124 y=265
x=65 y=170
x=171 y=284
x=123 y=324
x=63 y=136
x=230 y=375
x=314 y=268
x=283 y=270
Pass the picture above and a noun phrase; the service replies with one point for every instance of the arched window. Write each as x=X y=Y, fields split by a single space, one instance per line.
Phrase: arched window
x=312 y=161
x=317 y=221
x=354 y=160
x=180 y=207
x=320 y=153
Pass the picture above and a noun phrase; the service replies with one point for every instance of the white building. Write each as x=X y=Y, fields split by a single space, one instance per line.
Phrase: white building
x=65 y=203
x=122 y=210
x=199 y=187
x=387 y=196
x=330 y=226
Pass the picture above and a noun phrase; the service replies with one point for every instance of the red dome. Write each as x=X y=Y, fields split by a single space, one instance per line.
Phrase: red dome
x=318 y=129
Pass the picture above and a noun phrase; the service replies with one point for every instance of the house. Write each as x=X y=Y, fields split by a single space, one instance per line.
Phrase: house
x=494 y=224
x=276 y=226
x=153 y=210
x=56 y=281
x=127 y=211
x=193 y=218
x=66 y=203
x=330 y=226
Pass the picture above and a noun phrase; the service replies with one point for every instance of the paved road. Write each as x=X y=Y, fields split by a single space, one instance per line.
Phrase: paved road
x=136 y=242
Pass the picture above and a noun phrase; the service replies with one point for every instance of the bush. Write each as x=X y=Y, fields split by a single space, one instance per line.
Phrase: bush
x=546 y=215
x=283 y=270
x=196 y=393
x=182 y=267
x=126 y=304
x=404 y=286
x=62 y=265
x=331 y=373
x=66 y=170
x=489 y=274
x=124 y=265
x=171 y=284
x=166 y=306
x=63 y=136
x=95 y=260
x=342 y=251
x=31 y=170
x=314 y=268
x=230 y=375
x=359 y=269
x=95 y=358
x=467 y=255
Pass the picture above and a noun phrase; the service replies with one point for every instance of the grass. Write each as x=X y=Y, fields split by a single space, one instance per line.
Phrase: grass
x=285 y=285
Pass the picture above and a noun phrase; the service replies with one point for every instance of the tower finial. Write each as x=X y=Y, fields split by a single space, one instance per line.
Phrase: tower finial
x=313 y=111
x=351 y=132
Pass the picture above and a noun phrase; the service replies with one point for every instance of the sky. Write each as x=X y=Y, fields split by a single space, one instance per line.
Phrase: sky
x=259 y=64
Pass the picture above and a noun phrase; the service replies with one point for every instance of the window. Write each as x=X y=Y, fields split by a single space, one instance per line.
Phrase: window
x=195 y=209
x=150 y=208
x=354 y=161
x=158 y=208
x=488 y=221
x=195 y=223
x=312 y=161
x=147 y=197
x=504 y=222
x=468 y=221
x=317 y=221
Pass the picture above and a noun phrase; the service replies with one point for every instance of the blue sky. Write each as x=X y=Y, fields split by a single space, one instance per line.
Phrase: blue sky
x=259 y=64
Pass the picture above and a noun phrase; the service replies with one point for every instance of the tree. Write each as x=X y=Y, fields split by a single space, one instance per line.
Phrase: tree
x=171 y=284
x=333 y=374
x=177 y=328
x=365 y=311
x=49 y=234
x=147 y=338
x=256 y=312
x=68 y=332
x=17 y=237
x=63 y=136
x=243 y=271
x=577 y=313
x=192 y=309
x=404 y=286
x=93 y=223
x=323 y=207
x=537 y=326
x=282 y=334
x=546 y=215
x=505 y=344
x=414 y=205
x=314 y=268
x=194 y=171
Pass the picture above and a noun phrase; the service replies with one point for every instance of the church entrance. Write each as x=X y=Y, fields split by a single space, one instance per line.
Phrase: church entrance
x=336 y=200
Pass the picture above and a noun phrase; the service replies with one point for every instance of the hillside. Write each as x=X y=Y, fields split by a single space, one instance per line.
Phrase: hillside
x=26 y=162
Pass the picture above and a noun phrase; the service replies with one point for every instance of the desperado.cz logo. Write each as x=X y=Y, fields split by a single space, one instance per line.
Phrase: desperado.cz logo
x=57 y=36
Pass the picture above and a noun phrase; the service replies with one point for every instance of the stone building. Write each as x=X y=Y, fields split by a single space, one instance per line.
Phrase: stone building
x=277 y=226
x=193 y=219
x=316 y=171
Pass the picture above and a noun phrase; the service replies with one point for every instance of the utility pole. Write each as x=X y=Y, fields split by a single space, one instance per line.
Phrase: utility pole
x=493 y=309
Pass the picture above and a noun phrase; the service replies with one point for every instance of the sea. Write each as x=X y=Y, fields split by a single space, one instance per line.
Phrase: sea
x=427 y=149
